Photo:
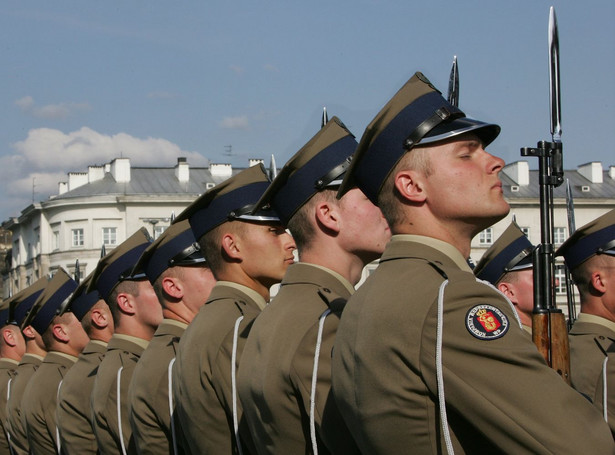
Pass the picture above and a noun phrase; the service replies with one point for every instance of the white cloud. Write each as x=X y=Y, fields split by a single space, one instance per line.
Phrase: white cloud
x=50 y=111
x=237 y=69
x=239 y=122
x=47 y=155
x=271 y=68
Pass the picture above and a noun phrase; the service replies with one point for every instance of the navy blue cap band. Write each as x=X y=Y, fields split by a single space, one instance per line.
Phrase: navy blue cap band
x=518 y=250
x=82 y=304
x=220 y=209
x=387 y=149
x=162 y=256
x=47 y=312
x=21 y=311
x=308 y=179
x=587 y=246
x=109 y=277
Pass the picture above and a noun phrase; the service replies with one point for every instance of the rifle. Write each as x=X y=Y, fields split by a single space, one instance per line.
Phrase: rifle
x=453 y=84
x=549 y=331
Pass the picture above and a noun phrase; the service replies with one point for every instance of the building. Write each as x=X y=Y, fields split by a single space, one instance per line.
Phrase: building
x=108 y=203
x=593 y=192
x=101 y=207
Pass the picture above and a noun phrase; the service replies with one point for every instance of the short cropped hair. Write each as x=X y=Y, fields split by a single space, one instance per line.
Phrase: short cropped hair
x=47 y=335
x=124 y=287
x=211 y=244
x=389 y=199
x=302 y=224
x=583 y=272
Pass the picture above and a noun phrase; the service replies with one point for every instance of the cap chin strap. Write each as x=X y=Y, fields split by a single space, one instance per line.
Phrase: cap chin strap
x=442 y=114
x=608 y=248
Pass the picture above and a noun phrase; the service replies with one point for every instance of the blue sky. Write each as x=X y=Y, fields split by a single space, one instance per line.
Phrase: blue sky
x=84 y=82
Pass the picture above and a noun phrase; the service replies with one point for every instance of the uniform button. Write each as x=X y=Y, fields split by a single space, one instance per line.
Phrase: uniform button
x=601 y=337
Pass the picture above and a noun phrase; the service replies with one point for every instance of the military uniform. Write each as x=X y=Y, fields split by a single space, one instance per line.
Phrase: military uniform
x=7 y=372
x=40 y=400
x=276 y=371
x=391 y=379
x=149 y=393
x=592 y=357
x=25 y=370
x=74 y=411
x=202 y=374
x=123 y=352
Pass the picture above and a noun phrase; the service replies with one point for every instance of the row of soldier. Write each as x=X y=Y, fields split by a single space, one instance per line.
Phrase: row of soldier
x=172 y=346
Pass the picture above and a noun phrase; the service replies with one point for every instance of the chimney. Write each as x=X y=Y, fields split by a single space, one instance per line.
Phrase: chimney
x=77 y=179
x=612 y=172
x=120 y=170
x=182 y=170
x=255 y=161
x=95 y=173
x=519 y=172
x=592 y=171
x=62 y=187
x=221 y=170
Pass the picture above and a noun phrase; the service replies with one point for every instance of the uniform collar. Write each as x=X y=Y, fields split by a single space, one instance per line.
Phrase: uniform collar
x=138 y=341
x=593 y=319
x=445 y=248
x=255 y=296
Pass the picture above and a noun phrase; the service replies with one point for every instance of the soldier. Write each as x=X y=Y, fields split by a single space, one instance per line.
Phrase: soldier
x=182 y=281
x=74 y=415
x=64 y=339
x=136 y=314
x=285 y=403
x=35 y=353
x=427 y=358
x=507 y=264
x=248 y=253
x=12 y=349
x=589 y=254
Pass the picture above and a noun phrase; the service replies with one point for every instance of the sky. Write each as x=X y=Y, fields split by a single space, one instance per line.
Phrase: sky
x=224 y=81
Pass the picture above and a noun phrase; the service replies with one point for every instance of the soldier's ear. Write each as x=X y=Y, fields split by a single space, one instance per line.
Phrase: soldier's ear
x=9 y=337
x=125 y=303
x=327 y=216
x=410 y=185
x=100 y=318
x=597 y=281
x=172 y=287
x=60 y=333
x=507 y=289
x=231 y=246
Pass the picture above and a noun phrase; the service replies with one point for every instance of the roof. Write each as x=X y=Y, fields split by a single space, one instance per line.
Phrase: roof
x=604 y=190
x=147 y=181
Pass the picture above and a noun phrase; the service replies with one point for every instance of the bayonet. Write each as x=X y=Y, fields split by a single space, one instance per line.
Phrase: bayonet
x=103 y=251
x=453 y=84
x=572 y=308
x=556 y=126
x=273 y=170
x=77 y=276
x=325 y=117
x=570 y=209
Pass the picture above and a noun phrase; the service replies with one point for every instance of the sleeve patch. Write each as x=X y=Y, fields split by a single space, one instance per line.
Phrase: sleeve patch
x=486 y=322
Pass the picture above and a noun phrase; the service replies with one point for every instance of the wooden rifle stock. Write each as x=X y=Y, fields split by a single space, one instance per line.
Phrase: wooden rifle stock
x=550 y=335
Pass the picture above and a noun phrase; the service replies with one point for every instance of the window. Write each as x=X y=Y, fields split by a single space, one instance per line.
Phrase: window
x=77 y=235
x=560 y=279
x=56 y=240
x=109 y=236
x=486 y=237
x=559 y=235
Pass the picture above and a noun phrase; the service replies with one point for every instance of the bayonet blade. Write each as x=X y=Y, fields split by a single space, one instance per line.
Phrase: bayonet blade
x=453 y=84
x=273 y=170
x=556 y=126
x=570 y=209
x=325 y=117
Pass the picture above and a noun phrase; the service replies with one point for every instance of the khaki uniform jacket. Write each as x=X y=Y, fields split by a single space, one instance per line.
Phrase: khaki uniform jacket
x=591 y=343
x=74 y=411
x=275 y=374
x=40 y=400
x=26 y=369
x=202 y=371
x=7 y=372
x=122 y=352
x=149 y=393
x=500 y=395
